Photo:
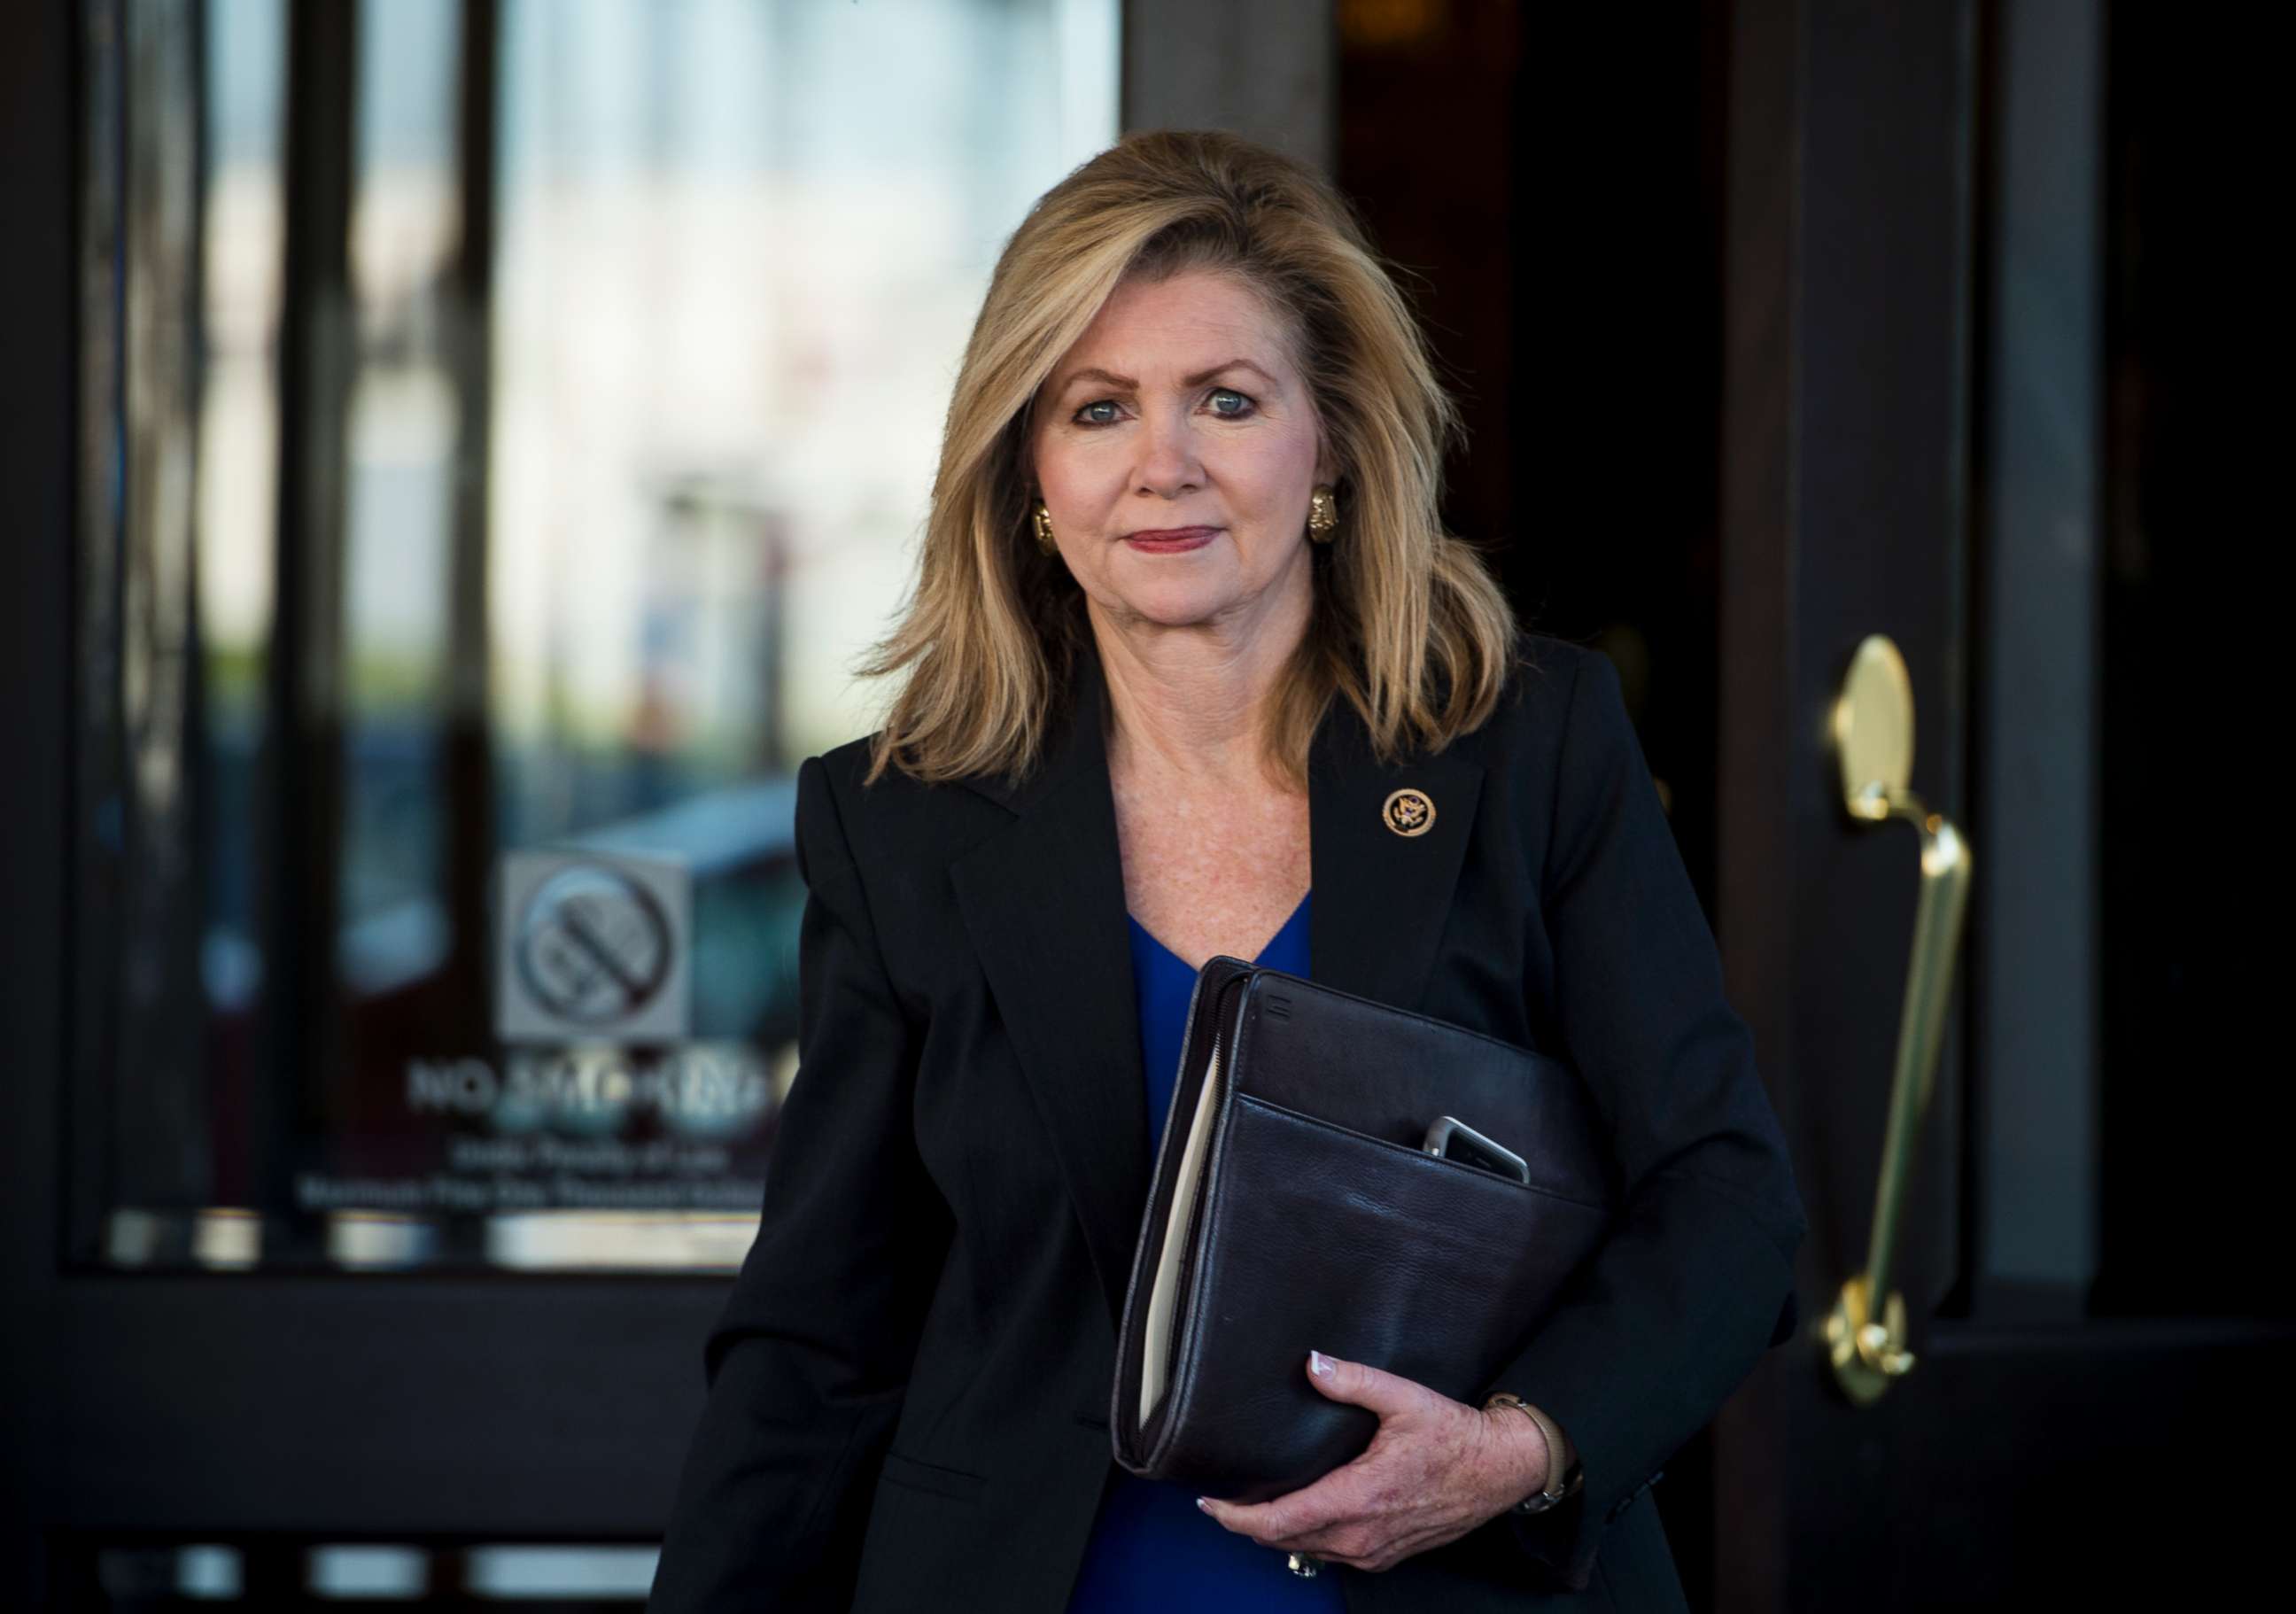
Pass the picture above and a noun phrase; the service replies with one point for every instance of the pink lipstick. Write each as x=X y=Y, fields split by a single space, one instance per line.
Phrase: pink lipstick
x=1171 y=540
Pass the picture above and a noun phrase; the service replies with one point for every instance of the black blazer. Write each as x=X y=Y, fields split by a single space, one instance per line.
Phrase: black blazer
x=909 y=1385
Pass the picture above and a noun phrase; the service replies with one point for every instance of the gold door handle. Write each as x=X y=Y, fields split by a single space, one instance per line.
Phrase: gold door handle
x=1874 y=741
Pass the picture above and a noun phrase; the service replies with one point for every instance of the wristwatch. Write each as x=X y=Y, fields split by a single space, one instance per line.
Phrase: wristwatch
x=1564 y=1472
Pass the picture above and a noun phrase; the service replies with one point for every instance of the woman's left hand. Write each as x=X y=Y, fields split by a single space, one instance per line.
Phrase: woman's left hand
x=1436 y=1469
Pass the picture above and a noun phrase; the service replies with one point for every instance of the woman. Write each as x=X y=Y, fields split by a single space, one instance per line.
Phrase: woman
x=1185 y=624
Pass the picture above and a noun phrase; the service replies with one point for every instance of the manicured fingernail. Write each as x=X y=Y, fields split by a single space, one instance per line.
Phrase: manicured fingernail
x=1205 y=1503
x=1318 y=1363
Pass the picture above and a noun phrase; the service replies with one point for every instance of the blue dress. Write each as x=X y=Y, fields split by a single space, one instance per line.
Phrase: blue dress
x=1152 y=1550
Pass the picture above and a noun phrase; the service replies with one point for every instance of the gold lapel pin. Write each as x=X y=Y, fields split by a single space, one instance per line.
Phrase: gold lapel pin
x=1408 y=812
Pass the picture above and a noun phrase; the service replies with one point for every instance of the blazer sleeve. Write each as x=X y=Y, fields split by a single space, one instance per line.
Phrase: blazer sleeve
x=808 y=1363
x=1696 y=1278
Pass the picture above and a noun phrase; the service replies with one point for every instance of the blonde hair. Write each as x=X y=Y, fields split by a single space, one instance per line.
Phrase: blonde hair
x=1408 y=624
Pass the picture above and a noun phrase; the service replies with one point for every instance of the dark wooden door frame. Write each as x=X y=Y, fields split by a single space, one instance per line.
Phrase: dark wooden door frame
x=1845 y=227
x=37 y=285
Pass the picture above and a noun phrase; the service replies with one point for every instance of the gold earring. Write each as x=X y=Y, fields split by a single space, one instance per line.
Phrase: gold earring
x=1043 y=518
x=1322 y=515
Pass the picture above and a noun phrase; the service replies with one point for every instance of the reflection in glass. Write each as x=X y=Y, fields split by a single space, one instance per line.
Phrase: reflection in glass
x=583 y=1574
x=507 y=421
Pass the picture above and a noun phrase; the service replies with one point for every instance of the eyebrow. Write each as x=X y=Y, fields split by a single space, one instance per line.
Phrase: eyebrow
x=1197 y=379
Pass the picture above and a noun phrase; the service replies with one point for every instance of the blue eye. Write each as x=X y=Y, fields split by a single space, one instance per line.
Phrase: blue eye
x=1084 y=416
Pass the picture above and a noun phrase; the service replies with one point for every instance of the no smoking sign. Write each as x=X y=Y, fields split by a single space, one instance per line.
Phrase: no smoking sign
x=591 y=947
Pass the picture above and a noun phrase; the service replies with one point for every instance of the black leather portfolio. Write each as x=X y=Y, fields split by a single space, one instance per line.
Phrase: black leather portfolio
x=1296 y=1205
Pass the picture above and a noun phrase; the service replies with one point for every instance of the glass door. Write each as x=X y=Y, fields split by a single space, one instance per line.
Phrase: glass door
x=498 y=426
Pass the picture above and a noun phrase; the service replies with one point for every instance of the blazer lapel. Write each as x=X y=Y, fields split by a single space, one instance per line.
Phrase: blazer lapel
x=1379 y=898
x=1044 y=903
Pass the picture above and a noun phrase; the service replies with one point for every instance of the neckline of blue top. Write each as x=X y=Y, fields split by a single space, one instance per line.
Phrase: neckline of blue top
x=1274 y=943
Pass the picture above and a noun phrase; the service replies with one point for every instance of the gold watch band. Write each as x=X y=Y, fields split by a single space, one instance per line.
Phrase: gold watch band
x=1562 y=1471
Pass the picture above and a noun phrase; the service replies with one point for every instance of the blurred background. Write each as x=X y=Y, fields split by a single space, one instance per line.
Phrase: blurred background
x=456 y=449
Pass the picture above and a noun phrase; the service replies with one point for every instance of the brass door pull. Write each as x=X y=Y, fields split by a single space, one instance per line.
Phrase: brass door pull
x=1873 y=736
